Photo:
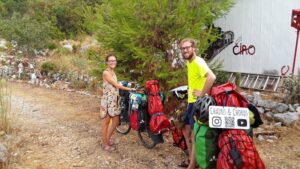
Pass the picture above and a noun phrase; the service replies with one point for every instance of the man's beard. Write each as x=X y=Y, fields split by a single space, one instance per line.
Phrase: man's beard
x=189 y=57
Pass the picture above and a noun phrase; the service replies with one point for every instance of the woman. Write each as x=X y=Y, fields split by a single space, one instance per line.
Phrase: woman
x=109 y=102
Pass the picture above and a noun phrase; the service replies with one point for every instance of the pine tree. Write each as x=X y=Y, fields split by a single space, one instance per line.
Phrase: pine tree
x=143 y=34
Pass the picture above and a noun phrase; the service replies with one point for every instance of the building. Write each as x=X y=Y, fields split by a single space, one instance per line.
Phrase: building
x=258 y=37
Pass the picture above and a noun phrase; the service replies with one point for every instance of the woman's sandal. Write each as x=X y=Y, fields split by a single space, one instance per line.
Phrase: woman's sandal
x=108 y=148
x=111 y=143
x=184 y=164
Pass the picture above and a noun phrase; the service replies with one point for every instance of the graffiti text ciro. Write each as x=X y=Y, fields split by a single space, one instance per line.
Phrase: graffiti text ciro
x=243 y=49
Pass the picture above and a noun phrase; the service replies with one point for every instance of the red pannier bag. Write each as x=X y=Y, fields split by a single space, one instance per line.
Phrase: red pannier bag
x=159 y=122
x=178 y=138
x=226 y=95
x=134 y=119
x=154 y=102
x=237 y=151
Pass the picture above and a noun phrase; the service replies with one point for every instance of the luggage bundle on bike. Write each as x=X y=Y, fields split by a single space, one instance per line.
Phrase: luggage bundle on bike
x=139 y=117
x=177 y=133
x=178 y=138
x=135 y=114
x=177 y=119
x=235 y=148
x=124 y=126
x=159 y=122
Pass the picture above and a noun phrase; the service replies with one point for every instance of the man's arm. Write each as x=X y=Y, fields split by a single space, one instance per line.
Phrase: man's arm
x=210 y=79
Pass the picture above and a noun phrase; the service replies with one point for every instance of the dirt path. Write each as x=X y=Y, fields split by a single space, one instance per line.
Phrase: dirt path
x=60 y=130
x=55 y=129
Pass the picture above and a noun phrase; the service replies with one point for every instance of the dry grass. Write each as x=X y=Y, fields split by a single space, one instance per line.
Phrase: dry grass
x=62 y=59
x=84 y=60
x=4 y=106
x=66 y=60
x=5 y=127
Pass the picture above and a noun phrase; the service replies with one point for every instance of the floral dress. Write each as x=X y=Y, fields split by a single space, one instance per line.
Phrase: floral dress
x=110 y=100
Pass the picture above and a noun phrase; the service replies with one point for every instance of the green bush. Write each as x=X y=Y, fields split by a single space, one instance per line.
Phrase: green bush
x=52 y=46
x=48 y=67
x=142 y=34
x=78 y=84
x=238 y=79
x=92 y=54
x=292 y=87
x=75 y=48
x=29 y=33
x=222 y=77
x=63 y=51
x=79 y=63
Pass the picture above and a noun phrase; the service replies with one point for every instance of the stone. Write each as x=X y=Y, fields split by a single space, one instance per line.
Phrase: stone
x=261 y=103
x=261 y=109
x=68 y=46
x=272 y=137
x=267 y=109
x=270 y=114
x=260 y=138
x=287 y=118
x=278 y=124
x=298 y=109
x=291 y=108
x=281 y=107
x=250 y=98
x=257 y=97
x=270 y=104
x=3 y=153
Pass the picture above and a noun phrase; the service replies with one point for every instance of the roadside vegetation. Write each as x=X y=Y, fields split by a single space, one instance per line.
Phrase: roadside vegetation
x=146 y=33
x=4 y=106
x=142 y=34
x=5 y=126
x=292 y=87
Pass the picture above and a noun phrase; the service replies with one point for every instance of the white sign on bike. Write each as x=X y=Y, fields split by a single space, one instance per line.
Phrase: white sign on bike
x=229 y=117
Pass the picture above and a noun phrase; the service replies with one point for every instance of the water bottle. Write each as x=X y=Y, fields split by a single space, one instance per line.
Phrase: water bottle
x=135 y=105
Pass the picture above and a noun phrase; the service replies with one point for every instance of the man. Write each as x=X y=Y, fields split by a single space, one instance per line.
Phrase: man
x=200 y=80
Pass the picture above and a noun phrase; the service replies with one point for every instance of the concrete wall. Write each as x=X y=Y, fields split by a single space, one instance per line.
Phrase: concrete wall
x=263 y=25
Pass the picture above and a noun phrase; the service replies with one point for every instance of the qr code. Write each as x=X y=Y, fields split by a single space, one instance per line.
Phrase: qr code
x=229 y=122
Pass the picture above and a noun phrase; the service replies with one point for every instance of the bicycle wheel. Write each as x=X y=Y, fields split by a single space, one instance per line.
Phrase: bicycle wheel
x=145 y=137
x=123 y=128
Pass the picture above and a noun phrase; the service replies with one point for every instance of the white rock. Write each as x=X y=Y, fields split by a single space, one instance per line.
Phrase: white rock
x=68 y=46
x=291 y=108
x=278 y=124
x=287 y=118
x=260 y=138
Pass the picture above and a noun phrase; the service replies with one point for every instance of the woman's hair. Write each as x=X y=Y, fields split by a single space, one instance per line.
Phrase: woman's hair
x=110 y=55
x=192 y=41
